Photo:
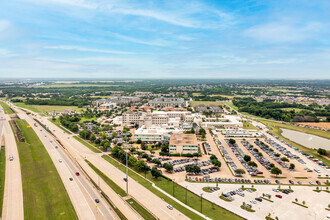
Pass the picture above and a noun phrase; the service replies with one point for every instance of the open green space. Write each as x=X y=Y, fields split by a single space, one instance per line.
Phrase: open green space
x=90 y=146
x=44 y=195
x=248 y=125
x=194 y=103
x=83 y=119
x=46 y=108
x=6 y=108
x=232 y=105
x=2 y=176
x=276 y=129
x=225 y=198
x=142 y=211
x=57 y=122
x=247 y=209
x=301 y=177
x=211 y=210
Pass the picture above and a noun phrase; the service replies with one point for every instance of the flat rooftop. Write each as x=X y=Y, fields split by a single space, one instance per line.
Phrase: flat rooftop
x=183 y=139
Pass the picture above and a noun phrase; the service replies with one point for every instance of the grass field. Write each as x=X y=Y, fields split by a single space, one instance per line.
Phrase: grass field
x=44 y=195
x=92 y=148
x=142 y=211
x=278 y=132
x=6 y=108
x=2 y=176
x=194 y=103
x=77 y=85
x=232 y=105
x=46 y=108
x=212 y=211
x=248 y=125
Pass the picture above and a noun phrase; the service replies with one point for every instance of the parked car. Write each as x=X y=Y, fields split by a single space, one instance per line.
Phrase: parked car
x=170 y=207
x=258 y=199
x=97 y=200
x=279 y=196
x=77 y=173
x=70 y=178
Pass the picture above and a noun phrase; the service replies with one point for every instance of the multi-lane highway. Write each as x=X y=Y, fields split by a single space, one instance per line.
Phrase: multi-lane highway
x=143 y=195
x=13 y=195
x=81 y=192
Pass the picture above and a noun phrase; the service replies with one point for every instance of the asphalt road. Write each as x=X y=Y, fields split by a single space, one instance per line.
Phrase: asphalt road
x=81 y=192
x=13 y=194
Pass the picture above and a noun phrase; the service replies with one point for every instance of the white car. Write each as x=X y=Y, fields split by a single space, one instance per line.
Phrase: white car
x=170 y=207
x=60 y=160
x=253 y=202
x=311 y=182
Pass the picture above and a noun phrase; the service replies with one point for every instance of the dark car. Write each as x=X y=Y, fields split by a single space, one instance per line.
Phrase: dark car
x=291 y=182
x=258 y=199
x=318 y=182
x=97 y=200
x=70 y=178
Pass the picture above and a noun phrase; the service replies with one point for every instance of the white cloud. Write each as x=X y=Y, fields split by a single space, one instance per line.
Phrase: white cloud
x=6 y=53
x=4 y=24
x=160 y=42
x=84 y=49
x=281 y=32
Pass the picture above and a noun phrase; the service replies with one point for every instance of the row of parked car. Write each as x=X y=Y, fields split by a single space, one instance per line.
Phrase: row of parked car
x=226 y=155
x=271 y=153
x=207 y=147
x=282 y=149
x=181 y=161
x=200 y=164
x=253 y=171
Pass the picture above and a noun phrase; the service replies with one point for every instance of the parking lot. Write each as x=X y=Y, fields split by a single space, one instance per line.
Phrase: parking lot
x=282 y=207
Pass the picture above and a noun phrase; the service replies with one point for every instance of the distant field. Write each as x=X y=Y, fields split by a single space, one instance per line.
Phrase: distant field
x=248 y=125
x=226 y=96
x=194 y=103
x=232 y=105
x=296 y=109
x=317 y=124
x=197 y=94
x=77 y=85
x=6 y=108
x=47 y=108
x=44 y=195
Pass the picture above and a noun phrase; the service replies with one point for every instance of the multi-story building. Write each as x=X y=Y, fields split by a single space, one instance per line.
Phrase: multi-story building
x=154 y=134
x=183 y=144
x=167 y=102
x=107 y=106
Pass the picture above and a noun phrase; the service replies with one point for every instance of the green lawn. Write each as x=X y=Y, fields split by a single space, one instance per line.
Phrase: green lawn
x=6 y=108
x=44 y=194
x=232 y=105
x=207 y=189
x=142 y=211
x=2 y=175
x=91 y=147
x=212 y=211
x=248 y=125
x=194 y=103
x=278 y=132
x=46 y=108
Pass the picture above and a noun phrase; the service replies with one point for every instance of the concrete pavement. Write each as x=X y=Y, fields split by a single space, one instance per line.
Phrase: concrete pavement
x=13 y=195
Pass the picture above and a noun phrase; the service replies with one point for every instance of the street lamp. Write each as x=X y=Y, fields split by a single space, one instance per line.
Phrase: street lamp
x=126 y=179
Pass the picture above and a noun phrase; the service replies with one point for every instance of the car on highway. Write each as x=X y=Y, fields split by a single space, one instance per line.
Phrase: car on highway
x=11 y=157
x=60 y=160
x=97 y=200
x=170 y=207
x=70 y=178
x=77 y=173
x=279 y=196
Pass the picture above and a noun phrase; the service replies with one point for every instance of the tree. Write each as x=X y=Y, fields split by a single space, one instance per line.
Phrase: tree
x=196 y=169
x=140 y=165
x=285 y=159
x=276 y=171
x=139 y=141
x=168 y=167
x=271 y=165
x=213 y=157
x=292 y=166
x=322 y=151
x=216 y=163
x=232 y=141
x=247 y=158
x=252 y=164
x=239 y=172
x=165 y=148
x=156 y=172
x=132 y=160
x=92 y=138
x=157 y=162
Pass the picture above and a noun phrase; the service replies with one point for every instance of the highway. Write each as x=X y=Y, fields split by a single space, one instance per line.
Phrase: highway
x=139 y=192
x=13 y=195
x=81 y=192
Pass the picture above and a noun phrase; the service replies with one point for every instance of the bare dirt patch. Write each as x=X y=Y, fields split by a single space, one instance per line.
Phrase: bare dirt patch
x=325 y=125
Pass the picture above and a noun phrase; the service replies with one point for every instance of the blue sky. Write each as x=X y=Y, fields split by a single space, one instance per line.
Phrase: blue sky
x=165 y=39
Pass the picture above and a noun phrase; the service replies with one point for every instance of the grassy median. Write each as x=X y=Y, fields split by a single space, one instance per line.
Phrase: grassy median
x=142 y=211
x=2 y=175
x=6 y=108
x=44 y=195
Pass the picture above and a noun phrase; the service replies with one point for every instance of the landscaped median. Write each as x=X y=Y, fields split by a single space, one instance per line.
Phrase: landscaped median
x=211 y=210
x=44 y=195
x=6 y=108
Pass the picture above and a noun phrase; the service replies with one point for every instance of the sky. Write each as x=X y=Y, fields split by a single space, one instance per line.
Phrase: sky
x=165 y=39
